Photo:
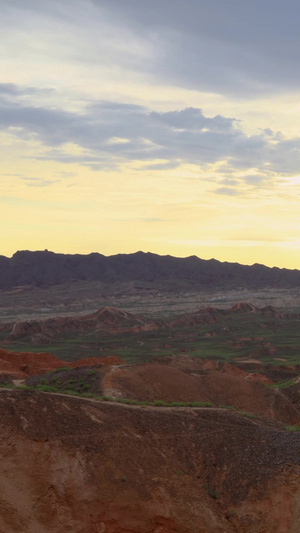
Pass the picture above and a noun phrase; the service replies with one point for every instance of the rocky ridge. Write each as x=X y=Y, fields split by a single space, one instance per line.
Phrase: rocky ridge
x=44 y=268
x=118 y=321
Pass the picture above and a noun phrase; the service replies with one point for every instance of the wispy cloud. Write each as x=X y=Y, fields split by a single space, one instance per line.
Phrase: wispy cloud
x=39 y=182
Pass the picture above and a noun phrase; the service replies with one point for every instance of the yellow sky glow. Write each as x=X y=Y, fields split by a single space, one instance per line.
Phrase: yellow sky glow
x=80 y=173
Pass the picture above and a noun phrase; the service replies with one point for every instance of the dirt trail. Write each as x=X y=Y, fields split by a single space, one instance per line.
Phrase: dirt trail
x=149 y=408
x=107 y=385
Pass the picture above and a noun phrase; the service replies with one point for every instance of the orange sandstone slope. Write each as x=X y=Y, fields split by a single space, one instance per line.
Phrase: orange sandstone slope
x=76 y=465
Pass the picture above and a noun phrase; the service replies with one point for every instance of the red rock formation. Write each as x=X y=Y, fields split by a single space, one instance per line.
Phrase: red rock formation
x=24 y=364
x=20 y=365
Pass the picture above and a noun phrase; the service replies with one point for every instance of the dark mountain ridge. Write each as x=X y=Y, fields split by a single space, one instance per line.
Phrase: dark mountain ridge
x=44 y=268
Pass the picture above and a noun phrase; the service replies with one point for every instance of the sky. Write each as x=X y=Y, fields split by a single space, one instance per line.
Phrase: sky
x=169 y=126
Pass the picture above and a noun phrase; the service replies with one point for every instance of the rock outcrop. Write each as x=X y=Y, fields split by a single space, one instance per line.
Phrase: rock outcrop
x=107 y=319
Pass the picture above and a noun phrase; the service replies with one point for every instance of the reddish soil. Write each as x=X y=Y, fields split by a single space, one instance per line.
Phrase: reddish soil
x=24 y=364
x=20 y=365
x=174 y=378
x=76 y=465
x=184 y=378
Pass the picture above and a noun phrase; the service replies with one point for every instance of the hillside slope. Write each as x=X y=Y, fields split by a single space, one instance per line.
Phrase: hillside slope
x=76 y=465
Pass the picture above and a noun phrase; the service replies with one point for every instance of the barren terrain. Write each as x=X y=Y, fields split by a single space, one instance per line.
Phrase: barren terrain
x=242 y=332
x=78 y=465
x=128 y=407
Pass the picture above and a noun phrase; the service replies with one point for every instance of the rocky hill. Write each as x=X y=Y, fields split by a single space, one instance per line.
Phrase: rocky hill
x=44 y=269
x=107 y=318
x=78 y=465
x=119 y=464
x=117 y=321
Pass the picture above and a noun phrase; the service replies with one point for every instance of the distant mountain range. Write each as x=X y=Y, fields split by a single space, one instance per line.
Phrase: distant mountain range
x=44 y=269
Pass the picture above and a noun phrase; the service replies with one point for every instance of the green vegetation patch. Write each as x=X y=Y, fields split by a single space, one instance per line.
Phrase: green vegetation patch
x=293 y=428
x=218 y=341
x=248 y=415
x=282 y=384
x=68 y=381
x=212 y=492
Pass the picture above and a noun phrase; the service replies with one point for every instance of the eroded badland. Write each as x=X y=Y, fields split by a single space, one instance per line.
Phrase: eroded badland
x=148 y=407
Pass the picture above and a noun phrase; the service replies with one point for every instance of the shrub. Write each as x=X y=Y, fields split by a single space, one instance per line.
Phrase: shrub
x=6 y=384
x=212 y=492
x=61 y=369
x=248 y=415
x=201 y=404
x=84 y=387
x=282 y=384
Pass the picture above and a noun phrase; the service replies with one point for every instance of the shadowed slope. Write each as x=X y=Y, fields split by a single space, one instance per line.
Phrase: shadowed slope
x=47 y=268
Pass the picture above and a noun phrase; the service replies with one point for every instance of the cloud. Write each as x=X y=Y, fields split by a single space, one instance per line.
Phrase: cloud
x=228 y=181
x=237 y=48
x=11 y=90
x=193 y=119
x=233 y=48
x=169 y=165
x=226 y=191
x=108 y=134
x=39 y=182
x=254 y=179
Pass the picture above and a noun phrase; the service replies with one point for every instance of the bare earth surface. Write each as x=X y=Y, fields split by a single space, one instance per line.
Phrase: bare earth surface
x=77 y=465
x=82 y=465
